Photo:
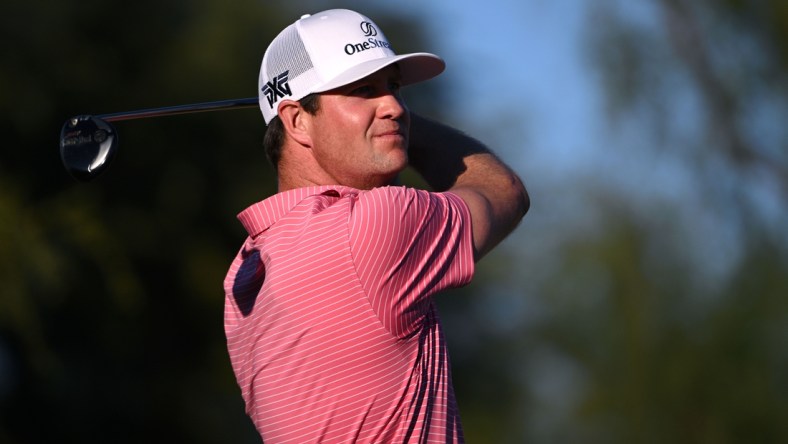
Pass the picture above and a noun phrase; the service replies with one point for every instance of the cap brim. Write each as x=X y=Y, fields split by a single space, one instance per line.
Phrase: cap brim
x=415 y=67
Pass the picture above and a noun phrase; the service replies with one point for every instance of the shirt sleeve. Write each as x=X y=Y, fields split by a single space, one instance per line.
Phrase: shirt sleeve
x=408 y=244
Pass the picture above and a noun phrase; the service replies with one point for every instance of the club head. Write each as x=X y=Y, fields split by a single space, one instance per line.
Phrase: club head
x=87 y=146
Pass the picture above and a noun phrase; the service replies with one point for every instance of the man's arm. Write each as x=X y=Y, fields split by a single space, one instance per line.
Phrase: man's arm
x=452 y=161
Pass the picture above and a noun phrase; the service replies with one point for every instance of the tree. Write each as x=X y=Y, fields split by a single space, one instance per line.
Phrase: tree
x=671 y=315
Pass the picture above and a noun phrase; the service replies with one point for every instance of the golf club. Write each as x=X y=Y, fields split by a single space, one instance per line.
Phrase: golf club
x=88 y=143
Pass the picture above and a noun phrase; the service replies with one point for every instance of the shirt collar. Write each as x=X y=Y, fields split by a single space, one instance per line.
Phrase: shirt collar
x=261 y=215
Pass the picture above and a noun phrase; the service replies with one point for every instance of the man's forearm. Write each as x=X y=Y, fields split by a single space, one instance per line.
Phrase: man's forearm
x=449 y=160
x=437 y=152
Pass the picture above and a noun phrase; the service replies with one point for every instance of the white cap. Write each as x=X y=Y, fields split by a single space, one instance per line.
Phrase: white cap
x=330 y=49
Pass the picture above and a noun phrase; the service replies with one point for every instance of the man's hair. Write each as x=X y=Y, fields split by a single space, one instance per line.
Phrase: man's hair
x=275 y=133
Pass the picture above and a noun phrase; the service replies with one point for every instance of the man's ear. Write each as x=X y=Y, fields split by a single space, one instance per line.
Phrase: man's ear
x=296 y=122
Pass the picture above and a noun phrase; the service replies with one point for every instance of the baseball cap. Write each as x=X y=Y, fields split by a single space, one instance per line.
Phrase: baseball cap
x=333 y=48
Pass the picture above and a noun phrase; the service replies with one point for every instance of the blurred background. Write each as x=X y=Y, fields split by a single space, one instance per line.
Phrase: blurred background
x=644 y=298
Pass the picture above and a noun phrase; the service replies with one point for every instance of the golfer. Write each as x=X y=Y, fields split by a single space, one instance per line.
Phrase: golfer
x=331 y=328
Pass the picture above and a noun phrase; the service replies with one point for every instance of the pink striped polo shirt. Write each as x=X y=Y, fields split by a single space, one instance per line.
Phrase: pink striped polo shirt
x=331 y=331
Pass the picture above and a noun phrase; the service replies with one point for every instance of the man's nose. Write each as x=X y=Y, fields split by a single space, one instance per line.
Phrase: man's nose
x=391 y=106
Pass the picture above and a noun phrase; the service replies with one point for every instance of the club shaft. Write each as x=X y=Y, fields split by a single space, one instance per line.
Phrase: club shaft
x=180 y=109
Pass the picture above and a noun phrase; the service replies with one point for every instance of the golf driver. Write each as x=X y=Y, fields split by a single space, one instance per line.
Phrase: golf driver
x=88 y=143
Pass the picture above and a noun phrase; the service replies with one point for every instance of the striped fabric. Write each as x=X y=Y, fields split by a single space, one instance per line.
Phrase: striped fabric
x=331 y=331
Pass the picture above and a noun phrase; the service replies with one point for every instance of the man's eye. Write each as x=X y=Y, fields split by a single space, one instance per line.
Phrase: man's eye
x=362 y=90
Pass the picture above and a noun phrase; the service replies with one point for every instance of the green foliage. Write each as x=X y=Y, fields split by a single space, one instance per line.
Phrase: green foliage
x=660 y=368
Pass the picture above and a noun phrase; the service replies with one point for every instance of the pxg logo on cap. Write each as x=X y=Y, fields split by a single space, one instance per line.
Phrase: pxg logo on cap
x=276 y=88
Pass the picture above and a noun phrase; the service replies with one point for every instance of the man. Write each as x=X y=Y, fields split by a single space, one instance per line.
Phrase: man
x=331 y=329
